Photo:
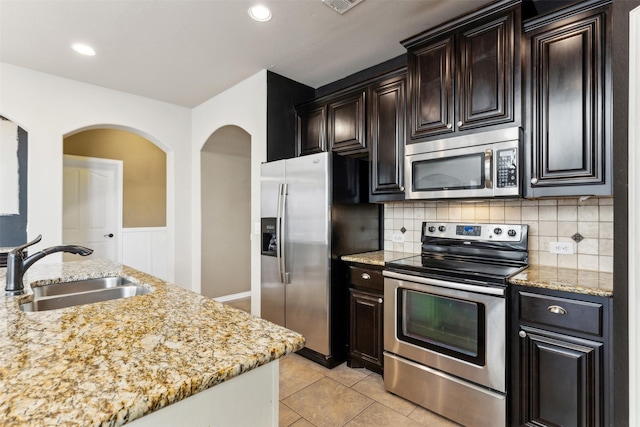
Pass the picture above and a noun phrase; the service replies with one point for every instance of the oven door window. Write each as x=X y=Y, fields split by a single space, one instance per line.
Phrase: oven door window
x=449 y=173
x=446 y=325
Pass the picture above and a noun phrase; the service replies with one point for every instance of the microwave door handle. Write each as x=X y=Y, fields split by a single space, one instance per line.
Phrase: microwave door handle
x=488 y=169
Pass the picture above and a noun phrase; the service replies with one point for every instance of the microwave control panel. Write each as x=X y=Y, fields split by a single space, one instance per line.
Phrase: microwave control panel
x=507 y=168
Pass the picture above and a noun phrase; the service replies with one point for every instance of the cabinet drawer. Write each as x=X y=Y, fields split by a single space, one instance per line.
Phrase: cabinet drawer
x=563 y=313
x=367 y=278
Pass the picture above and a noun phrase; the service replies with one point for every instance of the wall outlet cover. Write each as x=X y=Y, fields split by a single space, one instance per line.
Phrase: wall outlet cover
x=561 y=248
x=397 y=238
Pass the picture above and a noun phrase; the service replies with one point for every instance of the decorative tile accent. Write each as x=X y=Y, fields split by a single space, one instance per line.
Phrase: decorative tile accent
x=550 y=220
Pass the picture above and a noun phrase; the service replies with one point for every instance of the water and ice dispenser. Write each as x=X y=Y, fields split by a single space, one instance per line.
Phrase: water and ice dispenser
x=269 y=240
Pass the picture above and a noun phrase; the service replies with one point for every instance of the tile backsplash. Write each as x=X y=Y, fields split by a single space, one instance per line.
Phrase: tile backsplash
x=554 y=220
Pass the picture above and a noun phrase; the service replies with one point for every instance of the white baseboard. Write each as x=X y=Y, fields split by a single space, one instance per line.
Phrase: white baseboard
x=233 y=297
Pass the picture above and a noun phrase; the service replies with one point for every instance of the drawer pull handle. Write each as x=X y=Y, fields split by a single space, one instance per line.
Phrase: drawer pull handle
x=556 y=309
x=365 y=276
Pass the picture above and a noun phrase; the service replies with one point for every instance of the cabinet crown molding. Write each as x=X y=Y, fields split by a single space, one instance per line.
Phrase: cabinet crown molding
x=455 y=23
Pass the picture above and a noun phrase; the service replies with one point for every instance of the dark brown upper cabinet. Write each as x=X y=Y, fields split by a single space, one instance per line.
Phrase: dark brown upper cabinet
x=311 y=130
x=431 y=81
x=485 y=73
x=335 y=123
x=567 y=68
x=387 y=113
x=465 y=75
x=346 y=123
x=282 y=95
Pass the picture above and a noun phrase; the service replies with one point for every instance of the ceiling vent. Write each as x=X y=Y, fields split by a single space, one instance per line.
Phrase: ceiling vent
x=341 y=6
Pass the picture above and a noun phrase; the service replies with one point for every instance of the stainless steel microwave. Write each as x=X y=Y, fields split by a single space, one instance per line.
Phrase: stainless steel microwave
x=482 y=165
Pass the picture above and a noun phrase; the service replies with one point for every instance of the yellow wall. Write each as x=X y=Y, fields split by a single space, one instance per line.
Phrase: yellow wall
x=145 y=172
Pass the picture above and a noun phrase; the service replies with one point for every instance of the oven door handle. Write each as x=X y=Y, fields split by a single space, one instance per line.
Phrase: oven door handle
x=445 y=284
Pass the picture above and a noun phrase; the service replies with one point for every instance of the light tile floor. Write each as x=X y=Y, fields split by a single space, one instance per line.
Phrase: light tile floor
x=312 y=395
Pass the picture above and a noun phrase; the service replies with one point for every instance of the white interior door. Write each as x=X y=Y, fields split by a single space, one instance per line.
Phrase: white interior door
x=92 y=206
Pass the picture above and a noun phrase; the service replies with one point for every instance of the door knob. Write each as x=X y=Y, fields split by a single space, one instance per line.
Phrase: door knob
x=110 y=235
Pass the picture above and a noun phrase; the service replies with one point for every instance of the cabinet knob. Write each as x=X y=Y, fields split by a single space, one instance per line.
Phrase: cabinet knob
x=365 y=276
x=556 y=309
x=534 y=180
x=460 y=123
x=380 y=300
x=522 y=334
x=401 y=188
x=449 y=126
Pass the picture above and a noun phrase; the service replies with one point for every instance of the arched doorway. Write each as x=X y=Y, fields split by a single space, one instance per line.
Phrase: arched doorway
x=142 y=232
x=225 y=164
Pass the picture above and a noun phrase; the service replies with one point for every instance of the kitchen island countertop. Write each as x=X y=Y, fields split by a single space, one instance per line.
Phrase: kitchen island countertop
x=112 y=362
x=536 y=276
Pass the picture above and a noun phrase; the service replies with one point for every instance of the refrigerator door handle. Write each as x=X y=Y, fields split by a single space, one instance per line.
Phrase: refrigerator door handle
x=279 y=232
x=282 y=236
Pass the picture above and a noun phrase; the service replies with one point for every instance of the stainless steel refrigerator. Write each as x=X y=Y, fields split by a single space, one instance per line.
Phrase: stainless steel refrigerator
x=313 y=211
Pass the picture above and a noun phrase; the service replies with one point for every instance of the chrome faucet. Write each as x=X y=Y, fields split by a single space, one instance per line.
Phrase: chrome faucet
x=17 y=264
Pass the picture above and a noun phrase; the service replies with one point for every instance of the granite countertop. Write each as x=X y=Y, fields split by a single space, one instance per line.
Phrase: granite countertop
x=112 y=362
x=561 y=279
x=376 y=258
x=564 y=279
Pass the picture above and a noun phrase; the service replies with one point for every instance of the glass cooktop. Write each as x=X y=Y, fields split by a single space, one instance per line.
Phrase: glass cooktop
x=455 y=269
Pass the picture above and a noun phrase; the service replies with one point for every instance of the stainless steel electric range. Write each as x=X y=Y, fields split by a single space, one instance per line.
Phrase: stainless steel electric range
x=445 y=321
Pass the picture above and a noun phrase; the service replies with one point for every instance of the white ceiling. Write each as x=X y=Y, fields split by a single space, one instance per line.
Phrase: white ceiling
x=187 y=51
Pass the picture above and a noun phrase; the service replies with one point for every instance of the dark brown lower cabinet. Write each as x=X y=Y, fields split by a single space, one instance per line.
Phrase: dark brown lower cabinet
x=563 y=379
x=366 y=329
x=365 y=326
x=561 y=359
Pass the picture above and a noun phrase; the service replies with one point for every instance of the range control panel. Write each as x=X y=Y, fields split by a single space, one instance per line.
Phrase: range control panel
x=469 y=231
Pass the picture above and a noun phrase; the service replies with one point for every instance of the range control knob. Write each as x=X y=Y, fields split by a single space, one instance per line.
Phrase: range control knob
x=431 y=229
x=497 y=231
x=511 y=233
x=442 y=228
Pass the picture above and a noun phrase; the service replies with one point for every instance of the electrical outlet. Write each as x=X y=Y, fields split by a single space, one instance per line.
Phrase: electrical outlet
x=561 y=247
x=397 y=238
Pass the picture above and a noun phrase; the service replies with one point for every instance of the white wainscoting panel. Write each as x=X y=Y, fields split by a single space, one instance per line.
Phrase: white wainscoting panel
x=145 y=249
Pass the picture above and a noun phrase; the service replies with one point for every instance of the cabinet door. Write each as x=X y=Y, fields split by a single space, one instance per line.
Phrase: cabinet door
x=568 y=66
x=485 y=76
x=311 y=130
x=431 y=89
x=387 y=135
x=366 y=328
x=562 y=382
x=346 y=123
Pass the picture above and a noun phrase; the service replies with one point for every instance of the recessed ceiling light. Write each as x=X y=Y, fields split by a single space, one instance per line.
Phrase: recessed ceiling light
x=83 y=49
x=260 y=13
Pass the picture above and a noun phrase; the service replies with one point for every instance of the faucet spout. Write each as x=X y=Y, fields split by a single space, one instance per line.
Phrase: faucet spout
x=17 y=264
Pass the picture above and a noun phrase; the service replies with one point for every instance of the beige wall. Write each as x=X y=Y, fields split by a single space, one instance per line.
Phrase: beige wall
x=225 y=162
x=145 y=172
x=549 y=221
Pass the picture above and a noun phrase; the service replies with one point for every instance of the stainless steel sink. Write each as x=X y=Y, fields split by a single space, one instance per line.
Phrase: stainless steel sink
x=78 y=286
x=70 y=294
